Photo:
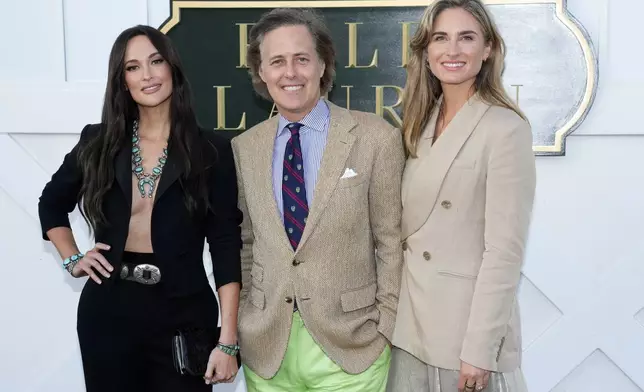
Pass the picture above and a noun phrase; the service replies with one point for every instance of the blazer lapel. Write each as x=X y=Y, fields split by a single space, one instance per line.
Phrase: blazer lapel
x=262 y=175
x=123 y=171
x=422 y=150
x=424 y=184
x=171 y=172
x=338 y=146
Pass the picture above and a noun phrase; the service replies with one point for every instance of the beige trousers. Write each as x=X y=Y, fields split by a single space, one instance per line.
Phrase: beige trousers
x=409 y=374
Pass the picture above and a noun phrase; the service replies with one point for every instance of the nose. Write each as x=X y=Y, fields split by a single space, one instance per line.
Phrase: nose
x=453 y=48
x=147 y=75
x=290 y=70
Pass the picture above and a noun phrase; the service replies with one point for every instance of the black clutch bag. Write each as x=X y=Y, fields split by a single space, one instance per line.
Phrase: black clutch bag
x=191 y=350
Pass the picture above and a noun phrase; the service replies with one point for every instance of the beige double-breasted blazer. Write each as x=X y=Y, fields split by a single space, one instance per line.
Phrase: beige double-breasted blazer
x=467 y=202
x=345 y=273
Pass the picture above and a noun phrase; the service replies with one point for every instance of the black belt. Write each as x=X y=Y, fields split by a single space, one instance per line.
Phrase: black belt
x=141 y=273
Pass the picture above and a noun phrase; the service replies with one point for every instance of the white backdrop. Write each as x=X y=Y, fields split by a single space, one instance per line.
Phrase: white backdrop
x=582 y=295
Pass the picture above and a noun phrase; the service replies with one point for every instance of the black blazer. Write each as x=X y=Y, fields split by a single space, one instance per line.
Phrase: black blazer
x=177 y=237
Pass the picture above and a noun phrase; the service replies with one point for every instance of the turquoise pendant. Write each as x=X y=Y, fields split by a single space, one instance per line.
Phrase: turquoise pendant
x=146 y=181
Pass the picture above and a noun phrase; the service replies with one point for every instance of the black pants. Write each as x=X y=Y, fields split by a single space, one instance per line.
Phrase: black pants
x=125 y=332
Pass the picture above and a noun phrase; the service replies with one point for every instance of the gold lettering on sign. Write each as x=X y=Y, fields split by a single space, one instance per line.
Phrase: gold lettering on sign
x=381 y=109
x=274 y=111
x=405 y=42
x=518 y=88
x=348 y=96
x=353 y=48
x=221 y=111
x=243 y=43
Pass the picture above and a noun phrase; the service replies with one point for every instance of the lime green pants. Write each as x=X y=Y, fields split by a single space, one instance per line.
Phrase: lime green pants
x=306 y=368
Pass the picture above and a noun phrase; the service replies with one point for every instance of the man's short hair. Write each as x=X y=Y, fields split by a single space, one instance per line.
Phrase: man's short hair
x=281 y=17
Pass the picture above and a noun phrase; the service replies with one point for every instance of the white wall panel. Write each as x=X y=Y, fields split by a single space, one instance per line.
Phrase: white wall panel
x=50 y=107
x=91 y=26
x=581 y=297
x=46 y=150
x=32 y=41
x=611 y=28
x=597 y=373
x=584 y=255
x=625 y=20
x=613 y=113
x=158 y=12
x=20 y=175
x=538 y=312
x=38 y=302
x=590 y=15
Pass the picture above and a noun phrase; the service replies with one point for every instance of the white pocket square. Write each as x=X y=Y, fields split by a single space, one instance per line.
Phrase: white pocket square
x=348 y=173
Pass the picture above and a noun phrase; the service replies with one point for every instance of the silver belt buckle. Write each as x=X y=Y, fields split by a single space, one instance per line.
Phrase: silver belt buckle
x=140 y=272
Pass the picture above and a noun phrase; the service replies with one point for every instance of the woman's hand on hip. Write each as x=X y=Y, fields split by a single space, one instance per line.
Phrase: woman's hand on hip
x=93 y=261
x=472 y=379
x=221 y=368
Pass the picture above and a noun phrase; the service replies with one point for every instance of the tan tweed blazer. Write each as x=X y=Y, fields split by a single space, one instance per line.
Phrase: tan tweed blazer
x=346 y=271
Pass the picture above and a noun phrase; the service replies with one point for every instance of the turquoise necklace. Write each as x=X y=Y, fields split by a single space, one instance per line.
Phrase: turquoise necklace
x=145 y=179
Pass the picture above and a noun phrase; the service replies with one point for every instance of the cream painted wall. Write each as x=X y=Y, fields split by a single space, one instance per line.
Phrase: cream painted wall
x=582 y=296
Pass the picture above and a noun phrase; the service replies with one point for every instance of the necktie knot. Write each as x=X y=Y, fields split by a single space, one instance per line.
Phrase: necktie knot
x=294 y=128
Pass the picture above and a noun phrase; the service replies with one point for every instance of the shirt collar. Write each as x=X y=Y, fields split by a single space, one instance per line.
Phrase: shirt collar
x=315 y=119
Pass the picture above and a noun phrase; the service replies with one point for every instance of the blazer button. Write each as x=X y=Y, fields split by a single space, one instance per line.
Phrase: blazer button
x=289 y=300
x=404 y=245
x=446 y=204
x=296 y=263
x=426 y=255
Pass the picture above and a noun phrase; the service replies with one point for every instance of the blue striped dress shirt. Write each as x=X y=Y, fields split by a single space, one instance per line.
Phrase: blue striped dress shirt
x=313 y=135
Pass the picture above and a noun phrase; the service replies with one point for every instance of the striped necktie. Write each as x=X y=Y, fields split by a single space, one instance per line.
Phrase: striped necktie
x=293 y=190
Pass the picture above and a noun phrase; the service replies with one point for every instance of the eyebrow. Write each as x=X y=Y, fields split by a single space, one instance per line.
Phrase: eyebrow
x=280 y=56
x=460 y=33
x=135 y=60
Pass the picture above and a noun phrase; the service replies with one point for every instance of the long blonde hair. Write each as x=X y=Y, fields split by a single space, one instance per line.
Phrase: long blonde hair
x=423 y=89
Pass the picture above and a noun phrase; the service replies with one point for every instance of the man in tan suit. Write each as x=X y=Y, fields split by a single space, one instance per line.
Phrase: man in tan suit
x=319 y=188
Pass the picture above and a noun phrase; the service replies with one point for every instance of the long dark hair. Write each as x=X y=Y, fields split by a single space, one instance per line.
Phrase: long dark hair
x=96 y=158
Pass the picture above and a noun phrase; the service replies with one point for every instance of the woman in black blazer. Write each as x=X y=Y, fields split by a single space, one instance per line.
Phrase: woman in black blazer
x=152 y=186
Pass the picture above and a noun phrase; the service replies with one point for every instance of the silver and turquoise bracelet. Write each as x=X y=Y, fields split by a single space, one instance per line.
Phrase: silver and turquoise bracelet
x=230 y=349
x=70 y=262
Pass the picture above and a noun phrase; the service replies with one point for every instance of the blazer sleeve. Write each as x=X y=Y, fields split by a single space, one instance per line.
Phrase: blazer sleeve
x=224 y=218
x=385 y=209
x=510 y=188
x=60 y=195
x=246 y=230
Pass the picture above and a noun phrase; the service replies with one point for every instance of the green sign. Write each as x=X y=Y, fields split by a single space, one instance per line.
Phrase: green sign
x=371 y=39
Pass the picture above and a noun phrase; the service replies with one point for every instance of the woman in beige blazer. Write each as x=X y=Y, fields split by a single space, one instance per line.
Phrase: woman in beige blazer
x=467 y=193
